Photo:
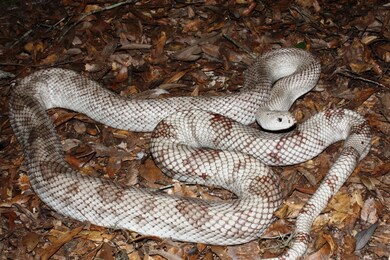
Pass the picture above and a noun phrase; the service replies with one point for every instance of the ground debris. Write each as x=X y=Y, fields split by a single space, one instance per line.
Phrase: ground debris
x=195 y=48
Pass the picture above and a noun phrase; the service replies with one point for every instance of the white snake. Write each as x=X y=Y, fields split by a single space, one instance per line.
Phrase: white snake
x=194 y=146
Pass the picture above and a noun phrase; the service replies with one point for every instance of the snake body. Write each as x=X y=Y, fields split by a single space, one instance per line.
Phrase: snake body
x=197 y=140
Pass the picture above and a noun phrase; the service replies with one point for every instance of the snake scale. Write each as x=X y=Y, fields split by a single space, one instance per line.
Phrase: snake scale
x=202 y=140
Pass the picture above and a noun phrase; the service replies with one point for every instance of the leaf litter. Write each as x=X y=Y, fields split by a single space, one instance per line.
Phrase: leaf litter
x=171 y=48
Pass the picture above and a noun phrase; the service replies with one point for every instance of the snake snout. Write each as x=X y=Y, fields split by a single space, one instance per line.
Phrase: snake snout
x=275 y=120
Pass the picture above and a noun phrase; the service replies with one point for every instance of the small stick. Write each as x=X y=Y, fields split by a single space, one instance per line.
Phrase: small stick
x=350 y=74
x=40 y=65
x=95 y=12
x=227 y=37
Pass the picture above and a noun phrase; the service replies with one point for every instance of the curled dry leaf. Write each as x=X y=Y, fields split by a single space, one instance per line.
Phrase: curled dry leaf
x=34 y=48
x=91 y=8
x=49 y=60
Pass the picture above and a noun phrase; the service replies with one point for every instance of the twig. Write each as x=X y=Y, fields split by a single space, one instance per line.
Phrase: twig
x=95 y=12
x=345 y=72
x=230 y=39
x=40 y=65
x=23 y=36
x=308 y=18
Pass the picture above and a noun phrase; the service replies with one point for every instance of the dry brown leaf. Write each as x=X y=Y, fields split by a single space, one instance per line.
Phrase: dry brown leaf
x=233 y=56
x=58 y=242
x=385 y=103
x=106 y=252
x=247 y=251
x=221 y=252
x=134 y=256
x=61 y=116
x=199 y=77
x=157 y=55
x=97 y=236
x=73 y=161
x=91 y=8
x=152 y=174
x=368 y=182
x=383 y=51
x=34 y=48
x=24 y=182
x=337 y=219
x=79 y=127
x=211 y=50
x=184 y=190
x=122 y=75
x=278 y=228
x=190 y=53
x=195 y=92
x=323 y=253
x=92 y=131
x=216 y=26
x=341 y=202
x=160 y=44
x=49 y=60
x=30 y=241
x=113 y=166
x=175 y=77
x=348 y=246
x=192 y=25
x=18 y=199
x=360 y=97
x=382 y=251
x=285 y=211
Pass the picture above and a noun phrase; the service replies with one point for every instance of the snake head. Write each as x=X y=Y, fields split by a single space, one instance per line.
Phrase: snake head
x=275 y=120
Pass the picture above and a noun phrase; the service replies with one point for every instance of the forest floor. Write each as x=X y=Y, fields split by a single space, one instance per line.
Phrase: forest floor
x=196 y=48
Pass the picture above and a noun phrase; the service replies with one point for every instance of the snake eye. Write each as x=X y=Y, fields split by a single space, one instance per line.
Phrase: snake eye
x=280 y=119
